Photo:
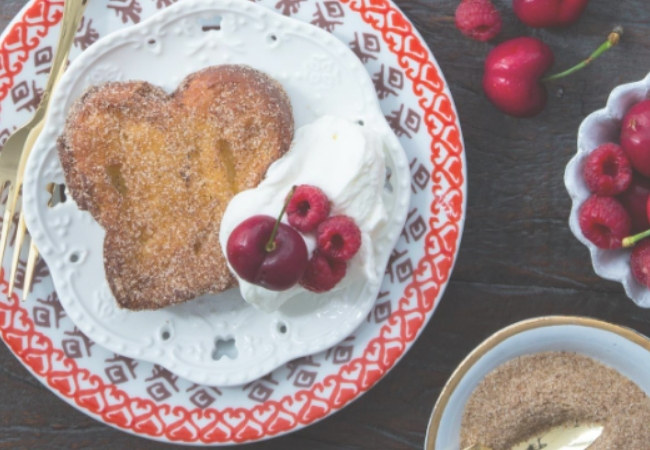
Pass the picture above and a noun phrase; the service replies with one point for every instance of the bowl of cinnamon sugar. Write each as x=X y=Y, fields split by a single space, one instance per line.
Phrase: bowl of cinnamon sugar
x=544 y=373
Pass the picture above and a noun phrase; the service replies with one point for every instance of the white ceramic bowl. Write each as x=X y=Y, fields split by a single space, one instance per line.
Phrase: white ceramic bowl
x=598 y=128
x=620 y=348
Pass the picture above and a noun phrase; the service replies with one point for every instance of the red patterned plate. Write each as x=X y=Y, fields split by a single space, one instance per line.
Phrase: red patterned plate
x=147 y=400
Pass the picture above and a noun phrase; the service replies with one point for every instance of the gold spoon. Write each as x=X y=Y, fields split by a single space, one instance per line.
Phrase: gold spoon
x=578 y=437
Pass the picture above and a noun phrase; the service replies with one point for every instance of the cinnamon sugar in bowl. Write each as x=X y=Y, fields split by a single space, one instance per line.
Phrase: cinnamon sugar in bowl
x=621 y=349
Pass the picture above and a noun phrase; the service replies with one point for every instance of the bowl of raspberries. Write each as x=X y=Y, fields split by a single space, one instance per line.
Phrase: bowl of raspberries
x=609 y=184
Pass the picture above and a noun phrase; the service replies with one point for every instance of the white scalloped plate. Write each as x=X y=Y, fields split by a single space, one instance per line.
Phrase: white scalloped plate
x=140 y=397
x=598 y=128
x=322 y=77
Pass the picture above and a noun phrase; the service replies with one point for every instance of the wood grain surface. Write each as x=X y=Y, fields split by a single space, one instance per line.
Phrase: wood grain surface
x=517 y=260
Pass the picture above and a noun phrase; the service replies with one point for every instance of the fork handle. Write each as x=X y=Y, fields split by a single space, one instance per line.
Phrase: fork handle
x=73 y=11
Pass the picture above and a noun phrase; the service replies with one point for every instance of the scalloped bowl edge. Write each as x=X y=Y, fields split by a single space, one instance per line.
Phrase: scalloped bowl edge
x=599 y=127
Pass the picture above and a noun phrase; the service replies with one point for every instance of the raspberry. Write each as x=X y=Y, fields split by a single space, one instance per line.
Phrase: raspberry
x=640 y=263
x=635 y=201
x=608 y=170
x=322 y=273
x=478 y=19
x=339 y=238
x=604 y=221
x=308 y=208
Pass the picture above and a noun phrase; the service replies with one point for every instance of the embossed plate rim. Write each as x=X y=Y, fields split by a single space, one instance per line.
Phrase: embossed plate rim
x=382 y=11
x=71 y=277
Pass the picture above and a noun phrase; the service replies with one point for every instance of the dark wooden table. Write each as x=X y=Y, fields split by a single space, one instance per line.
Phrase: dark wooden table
x=518 y=258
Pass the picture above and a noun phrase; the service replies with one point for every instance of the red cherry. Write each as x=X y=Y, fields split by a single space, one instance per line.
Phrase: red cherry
x=549 y=13
x=277 y=267
x=635 y=136
x=513 y=71
x=635 y=200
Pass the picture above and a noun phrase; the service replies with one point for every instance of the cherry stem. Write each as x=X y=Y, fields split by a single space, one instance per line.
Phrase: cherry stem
x=270 y=246
x=612 y=40
x=632 y=240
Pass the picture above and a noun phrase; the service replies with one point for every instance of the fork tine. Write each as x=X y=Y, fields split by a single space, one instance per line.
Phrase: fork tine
x=29 y=270
x=8 y=220
x=20 y=236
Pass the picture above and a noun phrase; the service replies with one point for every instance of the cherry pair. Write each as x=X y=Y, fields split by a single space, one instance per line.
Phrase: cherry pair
x=514 y=70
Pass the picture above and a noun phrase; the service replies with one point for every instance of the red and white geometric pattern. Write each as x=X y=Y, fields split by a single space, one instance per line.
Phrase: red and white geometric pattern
x=150 y=401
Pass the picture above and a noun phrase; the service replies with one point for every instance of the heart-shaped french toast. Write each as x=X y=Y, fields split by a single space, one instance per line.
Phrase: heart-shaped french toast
x=157 y=172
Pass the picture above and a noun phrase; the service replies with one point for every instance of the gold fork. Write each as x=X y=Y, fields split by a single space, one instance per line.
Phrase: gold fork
x=13 y=157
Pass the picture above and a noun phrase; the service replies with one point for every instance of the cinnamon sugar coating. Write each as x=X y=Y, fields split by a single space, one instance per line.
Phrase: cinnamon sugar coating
x=529 y=395
x=157 y=172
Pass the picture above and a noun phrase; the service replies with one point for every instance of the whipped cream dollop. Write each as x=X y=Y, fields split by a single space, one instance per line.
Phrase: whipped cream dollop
x=346 y=161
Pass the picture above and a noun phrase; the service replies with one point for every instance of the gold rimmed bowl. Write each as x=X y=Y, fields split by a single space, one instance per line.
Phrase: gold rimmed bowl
x=620 y=348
